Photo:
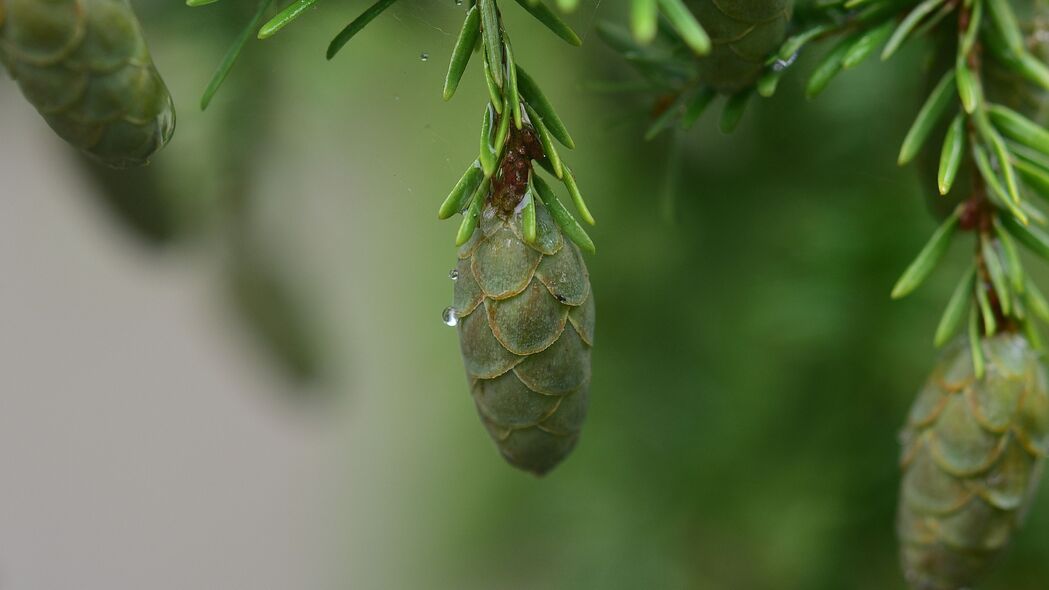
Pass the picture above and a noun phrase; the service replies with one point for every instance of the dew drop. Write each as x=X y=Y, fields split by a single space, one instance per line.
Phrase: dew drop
x=453 y=274
x=561 y=298
x=449 y=317
x=781 y=64
x=458 y=2
x=424 y=56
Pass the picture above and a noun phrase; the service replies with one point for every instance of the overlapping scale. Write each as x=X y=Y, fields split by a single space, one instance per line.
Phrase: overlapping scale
x=506 y=401
x=528 y=322
x=503 y=264
x=582 y=318
x=959 y=444
x=555 y=370
x=467 y=294
x=483 y=355
x=564 y=275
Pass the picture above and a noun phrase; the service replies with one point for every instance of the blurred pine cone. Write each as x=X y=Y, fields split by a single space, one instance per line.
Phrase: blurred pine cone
x=84 y=65
x=973 y=452
x=526 y=325
x=743 y=34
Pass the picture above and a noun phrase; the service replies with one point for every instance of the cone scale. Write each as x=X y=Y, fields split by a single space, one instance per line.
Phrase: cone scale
x=84 y=65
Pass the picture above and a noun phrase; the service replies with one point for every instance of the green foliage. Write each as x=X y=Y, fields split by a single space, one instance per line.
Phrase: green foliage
x=543 y=14
x=356 y=26
x=464 y=46
x=226 y=65
x=926 y=261
x=686 y=25
x=681 y=60
x=290 y=13
x=903 y=31
x=934 y=108
x=1007 y=150
x=951 y=154
x=562 y=216
x=957 y=309
x=463 y=191
x=866 y=44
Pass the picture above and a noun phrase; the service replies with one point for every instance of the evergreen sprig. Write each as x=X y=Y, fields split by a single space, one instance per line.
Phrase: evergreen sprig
x=667 y=45
x=514 y=98
x=264 y=28
x=644 y=23
x=1008 y=151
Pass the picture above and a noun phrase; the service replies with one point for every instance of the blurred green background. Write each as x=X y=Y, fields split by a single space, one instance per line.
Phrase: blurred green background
x=750 y=371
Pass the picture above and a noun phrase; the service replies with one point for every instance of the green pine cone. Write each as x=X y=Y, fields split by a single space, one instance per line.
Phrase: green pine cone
x=526 y=325
x=85 y=66
x=973 y=452
x=743 y=33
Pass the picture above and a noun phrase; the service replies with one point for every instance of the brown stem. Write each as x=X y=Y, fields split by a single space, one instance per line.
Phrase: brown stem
x=510 y=182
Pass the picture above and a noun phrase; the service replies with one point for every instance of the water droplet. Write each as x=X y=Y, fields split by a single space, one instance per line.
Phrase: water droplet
x=449 y=317
x=453 y=274
x=781 y=64
x=458 y=2
x=424 y=56
x=561 y=298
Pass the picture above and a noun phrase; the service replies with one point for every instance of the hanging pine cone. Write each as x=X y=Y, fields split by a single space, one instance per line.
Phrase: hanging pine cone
x=85 y=66
x=743 y=33
x=526 y=325
x=526 y=320
x=973 y=450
